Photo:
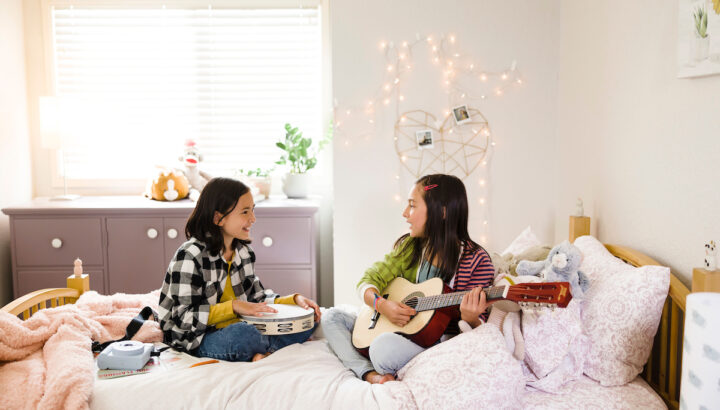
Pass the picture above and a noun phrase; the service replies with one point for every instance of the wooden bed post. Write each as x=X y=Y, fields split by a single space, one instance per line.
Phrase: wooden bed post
x=579 y=226
x=78 y=280
x=704 y=280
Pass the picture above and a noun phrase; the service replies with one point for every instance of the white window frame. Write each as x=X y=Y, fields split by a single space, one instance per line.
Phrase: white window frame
x=131 y=186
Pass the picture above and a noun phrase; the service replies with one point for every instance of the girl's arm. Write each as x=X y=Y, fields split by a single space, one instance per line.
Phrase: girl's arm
x=393 y=265
x=480 y=277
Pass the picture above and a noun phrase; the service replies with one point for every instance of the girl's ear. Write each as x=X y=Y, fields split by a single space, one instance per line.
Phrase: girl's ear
x=217 y=219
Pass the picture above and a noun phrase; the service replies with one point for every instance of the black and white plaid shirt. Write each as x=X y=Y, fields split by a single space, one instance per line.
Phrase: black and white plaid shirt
x=194 y=281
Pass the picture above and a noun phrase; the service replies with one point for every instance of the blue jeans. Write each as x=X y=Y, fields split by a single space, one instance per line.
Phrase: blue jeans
x=240 y=341
x=389 y=352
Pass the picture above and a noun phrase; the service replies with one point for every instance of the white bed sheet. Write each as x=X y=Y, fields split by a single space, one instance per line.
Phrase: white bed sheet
x=306 y=376
x=586 y=393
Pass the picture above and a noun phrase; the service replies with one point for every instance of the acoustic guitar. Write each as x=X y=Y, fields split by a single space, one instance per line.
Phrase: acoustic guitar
x=436 y=307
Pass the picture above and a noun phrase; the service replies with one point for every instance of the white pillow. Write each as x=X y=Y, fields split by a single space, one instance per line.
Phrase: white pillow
x=621 y=313
x=524 y=241
x=473 y=370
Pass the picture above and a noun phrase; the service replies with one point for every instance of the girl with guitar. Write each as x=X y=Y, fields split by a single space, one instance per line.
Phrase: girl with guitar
x=438 y=245
x=211 y=280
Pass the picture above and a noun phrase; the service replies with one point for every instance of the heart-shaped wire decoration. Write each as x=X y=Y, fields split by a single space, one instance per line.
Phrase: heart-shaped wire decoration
x=451 y=148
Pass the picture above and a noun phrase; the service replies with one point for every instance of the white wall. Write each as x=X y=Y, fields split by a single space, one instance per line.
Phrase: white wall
x=521 y=170
x=642 y=147
x=15 y=177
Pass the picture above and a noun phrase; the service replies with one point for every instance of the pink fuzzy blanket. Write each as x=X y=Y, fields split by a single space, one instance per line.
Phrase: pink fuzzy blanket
x=46 y=361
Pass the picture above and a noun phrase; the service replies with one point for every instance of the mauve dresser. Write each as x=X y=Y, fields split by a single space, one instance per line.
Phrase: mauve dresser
x=126 y=242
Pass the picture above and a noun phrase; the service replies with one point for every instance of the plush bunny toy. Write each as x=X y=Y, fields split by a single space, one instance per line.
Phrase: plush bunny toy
x=562 y=265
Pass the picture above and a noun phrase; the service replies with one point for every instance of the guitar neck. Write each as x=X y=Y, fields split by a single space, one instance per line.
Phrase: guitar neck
x=455 y=298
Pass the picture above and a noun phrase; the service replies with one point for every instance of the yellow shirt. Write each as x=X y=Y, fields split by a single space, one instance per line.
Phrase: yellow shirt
x=222 y=315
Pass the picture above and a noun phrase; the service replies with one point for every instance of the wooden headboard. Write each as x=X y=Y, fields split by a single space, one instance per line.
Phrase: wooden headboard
x=664 y=367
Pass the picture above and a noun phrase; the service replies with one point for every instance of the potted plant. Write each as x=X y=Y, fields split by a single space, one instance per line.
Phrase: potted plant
x=257 y=177
x=702 y=42
x=300 y=156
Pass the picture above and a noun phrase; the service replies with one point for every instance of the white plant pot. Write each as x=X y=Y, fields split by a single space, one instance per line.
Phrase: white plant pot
x=702 y=48
x=296 y=185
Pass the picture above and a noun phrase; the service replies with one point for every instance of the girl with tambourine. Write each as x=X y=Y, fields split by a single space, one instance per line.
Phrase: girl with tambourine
x=211 y=280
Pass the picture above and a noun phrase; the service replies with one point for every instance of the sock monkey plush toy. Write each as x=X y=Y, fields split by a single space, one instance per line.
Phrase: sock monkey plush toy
x=197 y=178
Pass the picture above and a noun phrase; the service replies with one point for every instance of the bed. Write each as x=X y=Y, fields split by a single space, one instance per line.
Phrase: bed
x=310 y=376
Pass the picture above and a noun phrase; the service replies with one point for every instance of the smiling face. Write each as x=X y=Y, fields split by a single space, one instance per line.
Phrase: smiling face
x=415 y=213
x=236 y=224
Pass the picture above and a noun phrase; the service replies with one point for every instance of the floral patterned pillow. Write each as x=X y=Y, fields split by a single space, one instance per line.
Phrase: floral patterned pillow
x=621 y=313
x=473 y=370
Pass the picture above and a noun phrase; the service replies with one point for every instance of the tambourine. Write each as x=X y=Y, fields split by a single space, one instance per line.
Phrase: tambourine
x=288 y=319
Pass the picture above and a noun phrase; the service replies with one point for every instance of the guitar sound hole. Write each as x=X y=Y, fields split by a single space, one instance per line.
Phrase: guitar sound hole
x=412 y=299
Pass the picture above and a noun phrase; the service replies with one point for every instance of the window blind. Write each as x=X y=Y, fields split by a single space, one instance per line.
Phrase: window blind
x=146 y=80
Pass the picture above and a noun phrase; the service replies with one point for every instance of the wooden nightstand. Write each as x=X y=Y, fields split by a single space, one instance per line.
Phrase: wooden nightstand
x=704 y=280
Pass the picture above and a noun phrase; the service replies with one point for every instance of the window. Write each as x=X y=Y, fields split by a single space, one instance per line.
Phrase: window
x=145 y=80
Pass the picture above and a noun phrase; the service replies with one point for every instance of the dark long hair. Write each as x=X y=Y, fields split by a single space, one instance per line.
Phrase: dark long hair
x=443 y=233
x=219 y=195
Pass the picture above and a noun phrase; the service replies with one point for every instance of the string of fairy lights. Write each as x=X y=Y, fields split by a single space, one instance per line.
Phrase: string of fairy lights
x=463 y=80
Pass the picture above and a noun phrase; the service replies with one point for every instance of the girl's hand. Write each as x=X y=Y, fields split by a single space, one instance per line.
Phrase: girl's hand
x=398 y=314
x=472 y=305
x=306 y=303
x=251 y=309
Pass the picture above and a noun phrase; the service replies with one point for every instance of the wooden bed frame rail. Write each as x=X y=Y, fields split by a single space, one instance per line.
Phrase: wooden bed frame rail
x=29 y=304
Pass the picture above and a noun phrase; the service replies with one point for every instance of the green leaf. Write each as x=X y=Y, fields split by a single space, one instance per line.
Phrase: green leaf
x=280 y=145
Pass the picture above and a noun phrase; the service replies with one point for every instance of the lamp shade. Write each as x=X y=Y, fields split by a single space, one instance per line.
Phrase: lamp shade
x=700 y=385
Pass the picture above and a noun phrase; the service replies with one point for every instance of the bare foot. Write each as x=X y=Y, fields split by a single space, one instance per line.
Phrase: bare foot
x=259 y=356
x=374 y=377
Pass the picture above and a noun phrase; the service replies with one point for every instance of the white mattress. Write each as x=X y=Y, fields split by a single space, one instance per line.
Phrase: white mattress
x=306 y=376
x=586 y=393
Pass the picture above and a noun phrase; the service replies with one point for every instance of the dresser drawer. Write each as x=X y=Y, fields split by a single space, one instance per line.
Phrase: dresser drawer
x=57 y=242
x=32 y=280
x=285 y=282
x=282 y=241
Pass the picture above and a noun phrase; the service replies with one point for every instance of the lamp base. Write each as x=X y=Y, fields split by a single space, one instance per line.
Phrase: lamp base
x=66 y=197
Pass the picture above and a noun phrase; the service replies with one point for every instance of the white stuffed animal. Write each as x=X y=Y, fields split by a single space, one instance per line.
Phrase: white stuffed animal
x=562 y=265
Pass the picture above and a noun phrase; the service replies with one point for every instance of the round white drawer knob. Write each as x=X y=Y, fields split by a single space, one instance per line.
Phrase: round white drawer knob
x=172 y=233
x=56 y=243
x=152 y=233
x=267 y=241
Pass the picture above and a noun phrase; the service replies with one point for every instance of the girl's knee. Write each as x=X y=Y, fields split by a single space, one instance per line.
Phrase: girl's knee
x=381 y=352
x=335 y=316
